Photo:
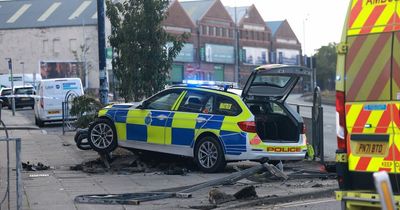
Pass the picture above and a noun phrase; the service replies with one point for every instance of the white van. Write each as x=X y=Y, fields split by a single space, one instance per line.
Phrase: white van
x=50 y=95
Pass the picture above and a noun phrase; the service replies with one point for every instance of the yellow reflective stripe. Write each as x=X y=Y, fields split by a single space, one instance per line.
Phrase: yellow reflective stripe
x=102 y=112
x=184 y=120
x=178 y=101
x=121 y=131
x=157 y=134
x=137 y=116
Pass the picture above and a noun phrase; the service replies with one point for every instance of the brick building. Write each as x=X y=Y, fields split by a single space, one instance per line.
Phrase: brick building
x=286 y=48
x=254 y=42
x=46 y=37
x=210 y=52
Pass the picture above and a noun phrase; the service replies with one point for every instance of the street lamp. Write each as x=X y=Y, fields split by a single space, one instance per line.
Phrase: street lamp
x=23 y=72
x=10 y=68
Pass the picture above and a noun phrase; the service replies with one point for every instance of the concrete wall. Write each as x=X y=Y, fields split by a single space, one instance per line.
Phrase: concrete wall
x=49 y=44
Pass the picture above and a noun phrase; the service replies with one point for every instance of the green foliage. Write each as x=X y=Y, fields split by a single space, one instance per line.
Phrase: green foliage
x=141 y=60
x=85 y=108
x=326 y=66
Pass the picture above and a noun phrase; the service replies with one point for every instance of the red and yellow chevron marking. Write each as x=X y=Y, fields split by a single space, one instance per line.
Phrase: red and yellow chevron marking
x=373 y=16
x=368 y=64
x=383 y=121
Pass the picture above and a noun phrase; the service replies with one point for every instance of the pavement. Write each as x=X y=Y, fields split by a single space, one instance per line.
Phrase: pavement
x=56 y=188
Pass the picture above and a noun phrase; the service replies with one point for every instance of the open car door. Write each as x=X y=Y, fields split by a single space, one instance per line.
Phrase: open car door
x=275 y=82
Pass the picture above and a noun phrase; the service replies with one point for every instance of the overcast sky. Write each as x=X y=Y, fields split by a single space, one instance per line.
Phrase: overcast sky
x=322 y=19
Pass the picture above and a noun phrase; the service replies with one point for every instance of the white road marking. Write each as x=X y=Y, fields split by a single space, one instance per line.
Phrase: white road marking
x=304 y=203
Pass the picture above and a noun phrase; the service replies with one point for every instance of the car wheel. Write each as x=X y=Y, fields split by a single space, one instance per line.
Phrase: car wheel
x=209 y=155
x=39 y=122
x=102 y=136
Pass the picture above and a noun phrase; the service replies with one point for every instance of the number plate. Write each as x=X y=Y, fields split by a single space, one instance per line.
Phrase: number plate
x=371 y=148
x=25 y=99
x=54 y=112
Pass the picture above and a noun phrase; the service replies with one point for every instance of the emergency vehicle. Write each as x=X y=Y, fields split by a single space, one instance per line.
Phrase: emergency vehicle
x=211 y=125
x=368 y=102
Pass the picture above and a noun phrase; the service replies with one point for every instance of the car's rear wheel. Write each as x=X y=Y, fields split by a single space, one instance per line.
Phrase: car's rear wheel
x=102 y=136
x=209 y=155
x=39 y=122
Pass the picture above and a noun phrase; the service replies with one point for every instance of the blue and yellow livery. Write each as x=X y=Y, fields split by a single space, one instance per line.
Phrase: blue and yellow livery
x=212 y=126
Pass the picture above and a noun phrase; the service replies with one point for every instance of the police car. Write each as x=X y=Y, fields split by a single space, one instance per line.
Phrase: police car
x=213 y=126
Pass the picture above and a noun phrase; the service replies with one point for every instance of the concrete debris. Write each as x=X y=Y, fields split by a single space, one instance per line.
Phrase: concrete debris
x=317 y=185
x=204 y=207
x=176 y=171
x=248 y=192
x=217 y=197
x=38 y=175
x=129 y=164
x=32 y=167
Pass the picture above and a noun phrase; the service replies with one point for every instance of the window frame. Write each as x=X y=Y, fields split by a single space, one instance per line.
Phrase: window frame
x=157 y=96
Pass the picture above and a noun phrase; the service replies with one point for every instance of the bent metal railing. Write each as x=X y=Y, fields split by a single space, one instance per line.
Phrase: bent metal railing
x=67 y=119
x=5 y=196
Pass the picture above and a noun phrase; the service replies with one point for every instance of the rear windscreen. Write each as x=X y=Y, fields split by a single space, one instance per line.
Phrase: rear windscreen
x=6 y=92
x=24 y=91
x=271 y=80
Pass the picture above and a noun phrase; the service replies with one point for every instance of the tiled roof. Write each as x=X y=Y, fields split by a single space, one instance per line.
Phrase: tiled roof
x=47 y=13
x=274 y=26
x=196 y=9
x=240 y=12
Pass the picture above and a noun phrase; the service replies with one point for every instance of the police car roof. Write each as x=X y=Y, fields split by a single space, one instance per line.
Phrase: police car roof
x=213 y=88
x=277 y=66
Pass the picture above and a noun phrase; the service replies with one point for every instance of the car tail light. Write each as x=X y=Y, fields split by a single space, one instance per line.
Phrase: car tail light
x=341 y=132
x=303 y=130
x=248 y=126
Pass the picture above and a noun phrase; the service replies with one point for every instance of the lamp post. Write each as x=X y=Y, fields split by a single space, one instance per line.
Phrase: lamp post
x=10 y=68
x=23 y=72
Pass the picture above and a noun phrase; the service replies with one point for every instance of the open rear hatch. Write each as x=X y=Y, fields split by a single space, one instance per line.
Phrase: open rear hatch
x=265 y=93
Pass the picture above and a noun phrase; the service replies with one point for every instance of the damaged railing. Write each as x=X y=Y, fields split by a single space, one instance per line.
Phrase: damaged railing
x=67 y=119
x=5 y=197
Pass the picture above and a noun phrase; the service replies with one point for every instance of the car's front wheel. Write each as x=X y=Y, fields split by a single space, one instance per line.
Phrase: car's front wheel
x=102 y=136
x=209 y=155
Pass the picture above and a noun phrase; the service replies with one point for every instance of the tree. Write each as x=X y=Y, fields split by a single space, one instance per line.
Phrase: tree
x=326 y=66
x=142 y=60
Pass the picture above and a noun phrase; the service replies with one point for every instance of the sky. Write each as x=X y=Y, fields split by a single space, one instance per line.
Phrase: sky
x=316 y=23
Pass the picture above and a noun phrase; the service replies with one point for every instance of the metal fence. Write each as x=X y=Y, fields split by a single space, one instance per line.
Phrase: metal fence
x=9 y=200
x=67 y=119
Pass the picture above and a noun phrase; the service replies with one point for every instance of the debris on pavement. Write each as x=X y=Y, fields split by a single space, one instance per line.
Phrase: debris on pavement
x=38 y=175
x=137 y=198
x=248 y=192
x=125 y=162
x=217 y=197
x=34 y=167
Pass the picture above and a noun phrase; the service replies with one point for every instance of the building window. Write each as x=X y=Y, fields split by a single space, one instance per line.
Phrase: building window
x=45 y=45
x=224 y=32
x=230 y=33
x=210 y=30
x=217 y=31
x=56 y=45
x=204 y=30
x=73 y=45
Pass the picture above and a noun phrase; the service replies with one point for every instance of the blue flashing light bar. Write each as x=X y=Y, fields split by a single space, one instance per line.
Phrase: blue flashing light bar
x=203 y=83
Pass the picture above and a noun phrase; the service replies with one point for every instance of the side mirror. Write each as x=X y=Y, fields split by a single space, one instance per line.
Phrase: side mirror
x=142 y=106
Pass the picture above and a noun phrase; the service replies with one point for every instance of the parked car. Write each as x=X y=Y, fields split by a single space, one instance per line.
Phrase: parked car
x=51 y=94
x=4 y=93
x=23 y=97
x=211 y=125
